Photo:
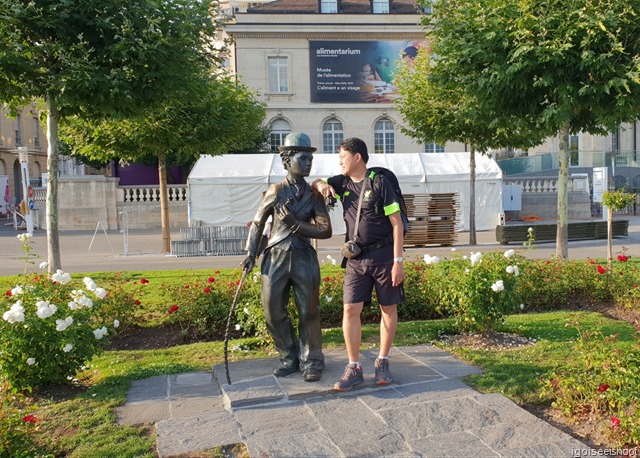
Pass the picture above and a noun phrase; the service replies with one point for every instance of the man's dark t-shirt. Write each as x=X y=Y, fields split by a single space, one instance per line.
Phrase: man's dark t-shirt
x=374 y=226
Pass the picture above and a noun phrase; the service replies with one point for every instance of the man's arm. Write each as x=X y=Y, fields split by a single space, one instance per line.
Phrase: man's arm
x=397 y=272
x=323 y=188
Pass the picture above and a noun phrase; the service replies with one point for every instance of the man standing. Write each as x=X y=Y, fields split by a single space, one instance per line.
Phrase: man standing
x=380 y=264
x=298 y=213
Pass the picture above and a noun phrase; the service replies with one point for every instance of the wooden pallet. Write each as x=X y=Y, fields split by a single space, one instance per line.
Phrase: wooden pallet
x=432 y=219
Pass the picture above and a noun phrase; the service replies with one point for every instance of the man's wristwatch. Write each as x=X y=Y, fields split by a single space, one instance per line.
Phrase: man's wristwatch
x=400 y=259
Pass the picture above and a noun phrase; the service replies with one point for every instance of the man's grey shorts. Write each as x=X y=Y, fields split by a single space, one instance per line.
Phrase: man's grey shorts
x=359 y=282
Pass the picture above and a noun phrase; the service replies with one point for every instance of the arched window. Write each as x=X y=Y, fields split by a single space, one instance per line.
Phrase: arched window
x=332 y=136
x=279 y=129
x=384 y=137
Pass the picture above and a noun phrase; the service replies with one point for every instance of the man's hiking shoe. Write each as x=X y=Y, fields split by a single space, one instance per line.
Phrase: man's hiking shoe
x=352 y=377
x=383 y=376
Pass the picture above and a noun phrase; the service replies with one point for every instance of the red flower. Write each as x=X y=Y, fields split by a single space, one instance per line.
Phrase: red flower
x=137 y=302
x=211 y=279
x=601 y=269
x=635 y=286
x=591 y=261
x=217 y=272
x=623 y=258
x=207 y=290
x=615 y=422
x=602 y=388
x=144 y=281
x=186 y=286
x=548 y=262
x=9 y=293
x=327 y=278
x=174 y=308
x=30 y=419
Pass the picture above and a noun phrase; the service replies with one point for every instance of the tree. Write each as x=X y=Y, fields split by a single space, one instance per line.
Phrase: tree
x=564 y=65
x=439 y=109
x=215 y=117
x=97 y=58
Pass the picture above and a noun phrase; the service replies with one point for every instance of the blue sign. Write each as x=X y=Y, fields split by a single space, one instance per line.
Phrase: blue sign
x=32 y=204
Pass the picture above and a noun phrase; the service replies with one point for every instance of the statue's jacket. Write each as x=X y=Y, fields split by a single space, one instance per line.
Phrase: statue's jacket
x=308 y=207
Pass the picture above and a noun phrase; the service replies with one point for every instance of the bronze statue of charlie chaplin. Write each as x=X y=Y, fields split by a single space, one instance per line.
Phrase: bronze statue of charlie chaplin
x=299 y=214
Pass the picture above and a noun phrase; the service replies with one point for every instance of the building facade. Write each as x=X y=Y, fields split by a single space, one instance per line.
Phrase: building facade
x=326 y=68
x=23 y=130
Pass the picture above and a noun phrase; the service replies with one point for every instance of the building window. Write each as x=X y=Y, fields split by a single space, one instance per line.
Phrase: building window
x=279 y=129
x=18 y=130
x=380 y=6
x=574 y=150
x=36 y=133
x=384 y=137
x=332 y=136
x=433 y=147
x=278 y=71
x=329 y=6
x=428 y=7
x=615 y=140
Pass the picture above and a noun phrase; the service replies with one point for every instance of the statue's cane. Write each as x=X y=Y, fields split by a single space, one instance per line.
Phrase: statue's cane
x=226 y=332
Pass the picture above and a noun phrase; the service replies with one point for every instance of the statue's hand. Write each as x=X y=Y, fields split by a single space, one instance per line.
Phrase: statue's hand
x=286 y=216
x=248 y=263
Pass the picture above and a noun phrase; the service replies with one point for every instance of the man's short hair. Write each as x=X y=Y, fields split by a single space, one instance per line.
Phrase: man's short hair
x=356 y=145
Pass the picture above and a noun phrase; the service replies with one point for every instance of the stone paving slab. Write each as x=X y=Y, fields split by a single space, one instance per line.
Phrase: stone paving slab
x=424 y=413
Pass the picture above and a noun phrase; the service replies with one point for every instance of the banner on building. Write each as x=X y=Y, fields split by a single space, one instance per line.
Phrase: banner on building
x=357 y=71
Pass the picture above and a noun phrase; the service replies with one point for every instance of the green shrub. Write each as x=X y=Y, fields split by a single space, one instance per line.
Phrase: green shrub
x=201 y=306
x=50 y=327
x=604 y=384
x=17 y=426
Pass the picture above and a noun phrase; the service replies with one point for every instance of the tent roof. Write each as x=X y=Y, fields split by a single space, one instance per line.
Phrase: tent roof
x=409 y=167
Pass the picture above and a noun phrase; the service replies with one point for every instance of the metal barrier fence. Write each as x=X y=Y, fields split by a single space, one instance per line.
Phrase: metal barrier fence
x=210 y=241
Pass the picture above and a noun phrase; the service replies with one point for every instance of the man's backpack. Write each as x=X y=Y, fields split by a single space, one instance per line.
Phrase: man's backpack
x=395 y=184
x=375 y=185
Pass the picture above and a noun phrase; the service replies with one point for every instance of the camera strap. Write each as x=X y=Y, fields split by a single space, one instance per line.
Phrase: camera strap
x=360 y=199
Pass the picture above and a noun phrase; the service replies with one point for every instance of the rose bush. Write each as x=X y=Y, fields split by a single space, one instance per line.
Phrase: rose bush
x=51 y=325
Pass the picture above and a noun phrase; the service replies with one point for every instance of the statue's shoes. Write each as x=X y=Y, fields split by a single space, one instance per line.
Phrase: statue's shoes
x=283 y=371
x=311 y=375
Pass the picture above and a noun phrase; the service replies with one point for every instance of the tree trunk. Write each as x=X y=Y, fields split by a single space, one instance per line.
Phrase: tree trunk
x=53 y=239
x=164 y=203
x=472 y=196
x=562 y=235
x=609 y=237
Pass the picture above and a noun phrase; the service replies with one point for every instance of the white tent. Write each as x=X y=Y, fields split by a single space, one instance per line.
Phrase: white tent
x=226 y=190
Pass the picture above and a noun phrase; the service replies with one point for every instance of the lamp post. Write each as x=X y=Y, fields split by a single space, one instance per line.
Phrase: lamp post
x=27 y=191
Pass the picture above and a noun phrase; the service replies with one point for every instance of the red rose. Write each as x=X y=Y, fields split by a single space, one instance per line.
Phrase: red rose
x=622 y=258
x=601 y=269
x=137 y=302
x=217 y=272
x=591 y=261
x=207 y=290
x=174 y=308
x=615 y=422
x=602 y=388
x=144 y=281
x=30 y=419
x=327 y=278
x=211 y=279
x=9 y=293
x=548 y=262
x=186 y=286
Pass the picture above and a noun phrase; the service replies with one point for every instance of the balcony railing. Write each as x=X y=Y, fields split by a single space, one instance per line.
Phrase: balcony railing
x=589 y=159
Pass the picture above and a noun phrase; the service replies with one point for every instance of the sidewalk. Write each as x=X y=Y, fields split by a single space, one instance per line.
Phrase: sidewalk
x=91 y=251
x=426 y=412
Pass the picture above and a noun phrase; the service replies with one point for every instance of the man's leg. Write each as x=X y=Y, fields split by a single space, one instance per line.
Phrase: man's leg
x=388 y=328
x=352 y=330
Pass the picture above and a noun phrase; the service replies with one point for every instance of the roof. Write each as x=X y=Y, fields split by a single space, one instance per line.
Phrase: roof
x=345 y=7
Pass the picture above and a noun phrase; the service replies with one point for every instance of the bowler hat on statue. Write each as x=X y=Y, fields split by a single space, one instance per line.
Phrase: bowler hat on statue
x=297 y=141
